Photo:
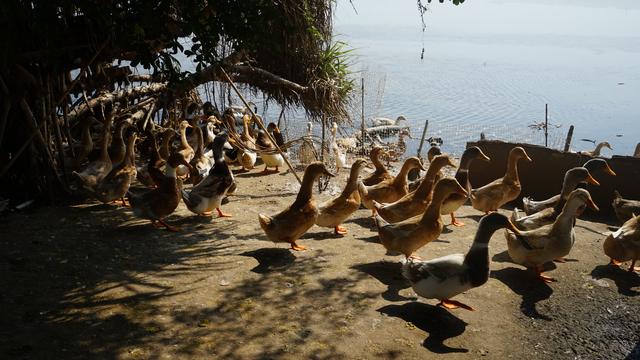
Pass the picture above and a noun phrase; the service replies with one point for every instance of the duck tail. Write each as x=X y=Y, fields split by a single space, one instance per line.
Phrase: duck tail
x=265 y=221
x=362 y=188
x=380 y=222
x=409 y=269
x=186 y=198
x=616 y=194
x=377 y=205
x=526 y=204
x=515 y=215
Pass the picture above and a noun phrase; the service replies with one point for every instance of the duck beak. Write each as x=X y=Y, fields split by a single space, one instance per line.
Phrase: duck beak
x=609 y=170
x=592 y=181
x=512 y=227
x=460 y=190
x=592 y=205
x=327 y=173
x=368 y=165
x=484 y=157
x=227 y=146
x=452 y=164
x=422 y=167
x=527 y=158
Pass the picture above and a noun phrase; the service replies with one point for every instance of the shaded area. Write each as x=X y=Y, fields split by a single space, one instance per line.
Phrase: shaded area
x=271 y=259
x=438 y=322
x=388 y=273
x=523 y=283
x=625 y=281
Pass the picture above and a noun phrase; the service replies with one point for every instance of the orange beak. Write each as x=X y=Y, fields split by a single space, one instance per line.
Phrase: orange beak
x=513 y=228
x=592 y=181
x=592 y=205
x=609 y=170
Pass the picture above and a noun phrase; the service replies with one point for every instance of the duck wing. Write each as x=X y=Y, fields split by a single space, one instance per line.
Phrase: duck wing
x=442 y=268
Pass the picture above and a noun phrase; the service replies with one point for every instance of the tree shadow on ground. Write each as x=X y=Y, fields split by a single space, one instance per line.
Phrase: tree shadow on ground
x=388 y=273
x=438 y=322
x=523 y=283
x=625 y=280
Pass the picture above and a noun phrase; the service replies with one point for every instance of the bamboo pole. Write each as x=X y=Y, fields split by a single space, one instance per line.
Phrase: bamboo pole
x=546 y=125
x=253 y=115
x=362 y=124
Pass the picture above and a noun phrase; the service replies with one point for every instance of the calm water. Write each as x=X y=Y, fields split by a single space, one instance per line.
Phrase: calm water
x=492 y=66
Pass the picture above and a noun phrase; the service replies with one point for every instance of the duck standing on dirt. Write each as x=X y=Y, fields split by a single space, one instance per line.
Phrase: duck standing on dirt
x=492 y=196
x=624 y=244
x=97 y=169
x=116 y=184
x=162 y=201
x=454 y=201
x=407 y=236
x=270 y=157
x=448 y=276
x=208 y=194
x=334 y=212
x=381 y=173
x=534 y=248
x=291 y=223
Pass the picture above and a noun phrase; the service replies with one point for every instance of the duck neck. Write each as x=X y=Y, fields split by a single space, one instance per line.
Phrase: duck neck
x=199 y=141
x=426 y=185
x=86 y=135
x=306 y=188
x=130 y=152
x=183 y=138
x=401 y=178
x=567 y=188
x=637 y=152
x=567 y=215
x=512 y=170
x=380 y=168
x=106 y=141
x=598 y=149
x=477 y=258
x=433 y=210
x=352 y=182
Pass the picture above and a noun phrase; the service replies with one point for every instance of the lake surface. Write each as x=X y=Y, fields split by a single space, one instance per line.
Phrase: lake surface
x=491 y=67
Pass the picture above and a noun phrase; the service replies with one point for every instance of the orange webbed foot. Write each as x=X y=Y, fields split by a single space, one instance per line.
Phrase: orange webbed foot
x=453 y=304
x=456 y=222
x=340 y=230
x=615 y=262
x=297 y=247
x=221 y=214
x=169 y=227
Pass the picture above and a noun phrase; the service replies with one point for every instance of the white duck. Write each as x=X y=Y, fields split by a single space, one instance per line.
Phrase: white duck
x=341 y=158
x=382 y=121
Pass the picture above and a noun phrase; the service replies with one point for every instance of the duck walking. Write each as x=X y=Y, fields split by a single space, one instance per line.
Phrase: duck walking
x=499 y=192
x=334 y=212
x=448 y=276
x=624 y=244
x=534 y=248
x=291 y=223
x=208 y=194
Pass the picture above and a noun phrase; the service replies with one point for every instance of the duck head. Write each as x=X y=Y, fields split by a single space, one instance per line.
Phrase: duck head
x=447 y=186
x=413 y=163
x=441 y=161
x=598 y=164
x=579 y=175
x=578 y=201
x=474 y=153
x=433 y=152
x=519 y=153
x=490 y=224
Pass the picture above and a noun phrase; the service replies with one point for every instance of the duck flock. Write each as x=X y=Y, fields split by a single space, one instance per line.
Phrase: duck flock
x=408 y=215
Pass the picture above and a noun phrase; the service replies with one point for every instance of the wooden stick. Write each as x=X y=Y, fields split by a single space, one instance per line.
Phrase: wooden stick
x=362 y=125
x=6 y=108
x=424 y=133
x=567 y=142
x=253 y=115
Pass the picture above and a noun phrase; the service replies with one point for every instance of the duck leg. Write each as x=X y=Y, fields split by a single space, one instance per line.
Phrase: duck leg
x=632 y=268
x=155 y=224
x=221 y=214
x=615 y=262
x=453 y=304
x=543 y=277
x=297 y=247
x=340 y=230
x=207 y=213
x=560 y=260
x=455 y=222
x=124 y=203
x=169 y=227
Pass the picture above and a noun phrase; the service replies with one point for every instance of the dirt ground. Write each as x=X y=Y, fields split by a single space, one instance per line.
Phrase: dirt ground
x=92 y=281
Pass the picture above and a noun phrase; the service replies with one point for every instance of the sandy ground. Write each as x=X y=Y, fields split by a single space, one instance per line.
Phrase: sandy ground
x=92 y=281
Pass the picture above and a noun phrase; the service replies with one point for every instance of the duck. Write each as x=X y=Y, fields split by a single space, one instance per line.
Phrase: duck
x=597 y=150
x=118 y=147
x=116 y=184
x=85 y=146
x=340 y=157
x=165 y=149
x=381 y=173
x=294 y=221
x=624 y=244
x=208 y=193
x=499 y=192
x=201 y=163
x=572 y=178
x=333 y=212
x=389 y=190
x=277 y=135
x=624 y=208
x=155 y=161
x=271 y=157
x=548 y=215
x=414 y=203
x=158 y=203
x=307 y=151
x=100 y=167
x=534 y=248
x=407 y=236
x=184 y=149
x=397 y=150
x=382 y=121
x=636 y=153
x=447 y=276
x=454 y=201
x=247 y=154
x=414 y=174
